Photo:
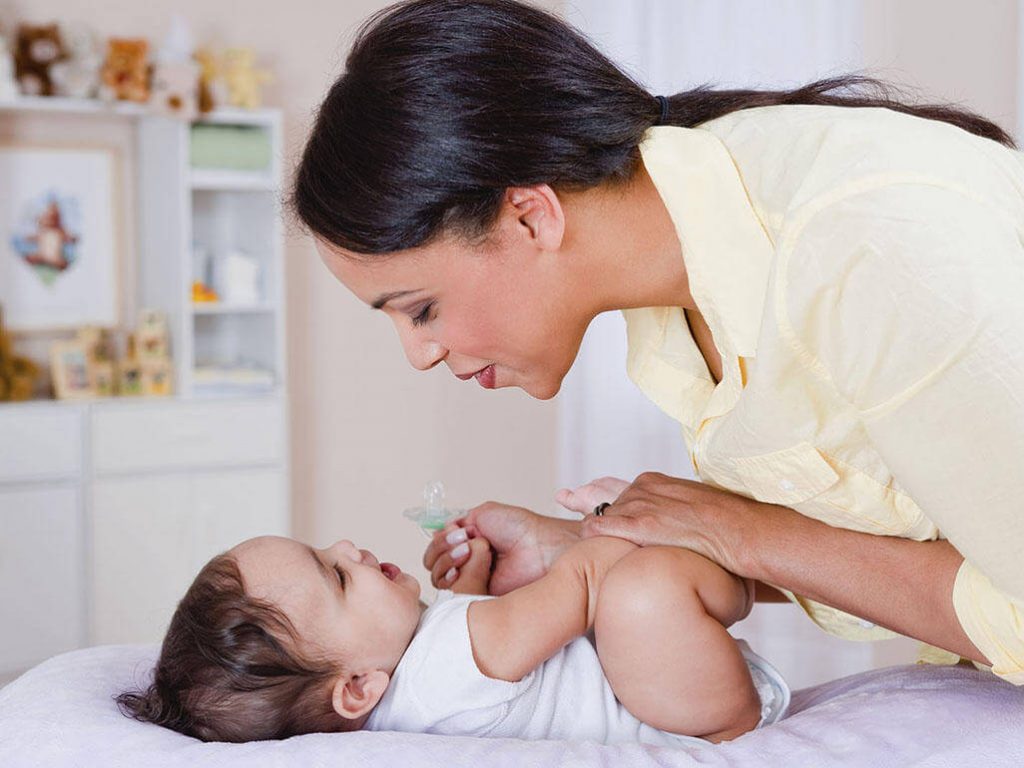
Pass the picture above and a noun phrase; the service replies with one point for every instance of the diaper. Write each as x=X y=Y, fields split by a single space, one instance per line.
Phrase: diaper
x=770 y=685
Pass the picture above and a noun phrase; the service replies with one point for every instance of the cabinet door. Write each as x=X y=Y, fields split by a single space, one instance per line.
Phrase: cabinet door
x=142 y=558
x=151 y=536
x=42 y=588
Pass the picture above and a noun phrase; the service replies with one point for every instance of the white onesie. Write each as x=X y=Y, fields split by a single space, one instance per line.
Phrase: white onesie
x=437 y=688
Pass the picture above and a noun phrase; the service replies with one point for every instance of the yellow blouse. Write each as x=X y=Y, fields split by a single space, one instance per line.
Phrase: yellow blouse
x=862 y=274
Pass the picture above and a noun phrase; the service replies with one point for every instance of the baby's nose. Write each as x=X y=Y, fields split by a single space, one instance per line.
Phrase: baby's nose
x=369 y=558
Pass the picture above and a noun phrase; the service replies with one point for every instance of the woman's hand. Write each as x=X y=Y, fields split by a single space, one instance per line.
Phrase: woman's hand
x=658 y=509
x=586 y=497
x=524 y=545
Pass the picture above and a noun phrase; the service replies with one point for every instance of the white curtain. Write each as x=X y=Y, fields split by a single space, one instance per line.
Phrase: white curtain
x=606 y=426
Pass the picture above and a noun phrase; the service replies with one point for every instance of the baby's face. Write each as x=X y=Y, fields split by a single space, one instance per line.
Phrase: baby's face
x=340 y=600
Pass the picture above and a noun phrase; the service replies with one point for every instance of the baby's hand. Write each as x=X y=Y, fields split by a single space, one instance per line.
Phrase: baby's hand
x=586 y=497
x=474 y=575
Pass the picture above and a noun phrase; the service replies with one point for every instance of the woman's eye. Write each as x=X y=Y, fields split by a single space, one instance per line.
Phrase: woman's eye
x=423 y=316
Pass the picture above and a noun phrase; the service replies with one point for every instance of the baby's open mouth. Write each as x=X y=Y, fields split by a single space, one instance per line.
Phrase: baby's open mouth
x=390 y=570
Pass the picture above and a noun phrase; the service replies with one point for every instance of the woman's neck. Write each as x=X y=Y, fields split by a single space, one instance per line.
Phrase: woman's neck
x=626 y=247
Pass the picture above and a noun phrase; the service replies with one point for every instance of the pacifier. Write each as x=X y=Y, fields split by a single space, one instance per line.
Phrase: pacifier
x=434 y=516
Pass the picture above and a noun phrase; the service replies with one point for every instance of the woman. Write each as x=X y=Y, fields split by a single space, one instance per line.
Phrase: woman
x=821 y=286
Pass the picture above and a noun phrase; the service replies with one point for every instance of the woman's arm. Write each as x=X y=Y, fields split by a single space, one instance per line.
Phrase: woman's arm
x=900 y=584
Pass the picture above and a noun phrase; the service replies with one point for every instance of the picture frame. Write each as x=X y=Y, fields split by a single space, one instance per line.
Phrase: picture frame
x=59 y=241
x=71 y=371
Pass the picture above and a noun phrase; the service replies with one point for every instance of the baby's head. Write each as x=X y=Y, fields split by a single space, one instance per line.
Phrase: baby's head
x=275 y=638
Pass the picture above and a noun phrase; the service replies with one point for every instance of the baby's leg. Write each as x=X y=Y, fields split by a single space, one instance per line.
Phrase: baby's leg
x=660 y=637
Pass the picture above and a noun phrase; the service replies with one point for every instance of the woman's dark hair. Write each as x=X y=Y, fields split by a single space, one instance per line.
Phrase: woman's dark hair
x=226 y=673
x=444 y=104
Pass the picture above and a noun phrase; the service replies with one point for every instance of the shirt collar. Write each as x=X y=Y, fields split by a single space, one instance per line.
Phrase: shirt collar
x=728 y=257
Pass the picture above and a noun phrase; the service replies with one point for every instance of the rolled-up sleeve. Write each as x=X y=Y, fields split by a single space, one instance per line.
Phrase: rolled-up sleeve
x=908 y=298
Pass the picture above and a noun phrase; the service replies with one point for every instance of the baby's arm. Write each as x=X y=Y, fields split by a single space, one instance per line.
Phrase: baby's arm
x=513 y=634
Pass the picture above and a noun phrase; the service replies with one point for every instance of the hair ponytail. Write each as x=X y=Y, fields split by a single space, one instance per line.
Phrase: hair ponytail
x=444 y=104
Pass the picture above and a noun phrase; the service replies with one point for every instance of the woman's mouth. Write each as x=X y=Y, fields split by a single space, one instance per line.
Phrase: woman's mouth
x=485 y=378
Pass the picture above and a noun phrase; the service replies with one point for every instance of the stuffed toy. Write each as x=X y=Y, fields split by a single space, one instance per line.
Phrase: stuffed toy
x=39 y=48
x=17 y=374
x=212 y=92
x=242 y=78
x=126 y=72
x=78 y=76
x=176 y=74
x=175 y=89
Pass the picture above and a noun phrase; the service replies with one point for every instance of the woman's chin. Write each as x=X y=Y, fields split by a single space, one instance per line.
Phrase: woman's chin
x=542 y=390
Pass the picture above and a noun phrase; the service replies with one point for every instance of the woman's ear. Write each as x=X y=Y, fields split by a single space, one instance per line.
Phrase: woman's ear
x=540 y=212
x=356 y=695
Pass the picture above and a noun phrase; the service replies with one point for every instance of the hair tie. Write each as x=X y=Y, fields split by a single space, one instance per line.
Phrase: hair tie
x=663 y=102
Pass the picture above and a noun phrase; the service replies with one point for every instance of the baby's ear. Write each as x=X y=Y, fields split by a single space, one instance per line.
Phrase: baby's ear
x=356 y=695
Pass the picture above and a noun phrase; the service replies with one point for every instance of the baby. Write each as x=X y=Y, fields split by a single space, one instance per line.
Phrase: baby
x=275 y=638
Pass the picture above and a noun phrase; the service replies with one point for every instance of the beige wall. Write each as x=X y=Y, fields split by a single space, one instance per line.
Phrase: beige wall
x=953 y=50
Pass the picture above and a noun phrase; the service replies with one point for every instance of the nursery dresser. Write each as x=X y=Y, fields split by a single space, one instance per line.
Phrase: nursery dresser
x=108 y=507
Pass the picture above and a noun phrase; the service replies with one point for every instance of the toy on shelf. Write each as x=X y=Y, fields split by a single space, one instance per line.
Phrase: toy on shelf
x=244 y=81
x=38 y=49
x=434 y=516
x=78 y=76
x=176 y=75
x=70 y=370
x=153 y=351
x=17 y=374
x=125 y=71
x=203 y=294
x=212 y=91
x=129 y=371
x=8 y=84
x=96 y=342
x=238 y=278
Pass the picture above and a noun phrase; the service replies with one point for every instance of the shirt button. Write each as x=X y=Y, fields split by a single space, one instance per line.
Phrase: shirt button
x=787 y=485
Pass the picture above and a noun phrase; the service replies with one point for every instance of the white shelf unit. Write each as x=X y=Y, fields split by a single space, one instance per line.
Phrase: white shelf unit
x=130 y=496
x=218 y=210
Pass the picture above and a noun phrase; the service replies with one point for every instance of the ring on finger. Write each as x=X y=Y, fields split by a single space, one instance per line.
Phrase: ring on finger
x=600 y=508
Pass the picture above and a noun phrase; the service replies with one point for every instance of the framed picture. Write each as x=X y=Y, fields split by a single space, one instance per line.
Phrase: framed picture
x=71 y=371
x=58 y=240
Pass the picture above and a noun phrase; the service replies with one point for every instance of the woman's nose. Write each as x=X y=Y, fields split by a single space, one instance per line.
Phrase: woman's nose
x=423 y=354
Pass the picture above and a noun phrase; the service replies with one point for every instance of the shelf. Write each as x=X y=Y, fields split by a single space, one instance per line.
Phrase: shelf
x=219 y=308
x=213 y=179
x=72 y=106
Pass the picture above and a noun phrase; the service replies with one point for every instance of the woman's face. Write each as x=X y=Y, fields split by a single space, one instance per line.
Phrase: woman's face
x=508 y=310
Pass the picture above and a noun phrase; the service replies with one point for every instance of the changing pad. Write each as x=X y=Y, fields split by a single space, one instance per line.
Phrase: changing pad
x=61 y=714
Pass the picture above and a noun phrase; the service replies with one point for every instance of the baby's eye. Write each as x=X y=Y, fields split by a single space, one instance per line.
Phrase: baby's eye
x=341 y=576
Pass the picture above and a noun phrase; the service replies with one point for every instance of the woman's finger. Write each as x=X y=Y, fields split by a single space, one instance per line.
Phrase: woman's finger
x=445 y=567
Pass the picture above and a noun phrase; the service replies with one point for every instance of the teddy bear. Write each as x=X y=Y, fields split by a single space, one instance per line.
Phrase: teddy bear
x=243 y=79
x=38 y=49
x=126 y=71
x=78 y=75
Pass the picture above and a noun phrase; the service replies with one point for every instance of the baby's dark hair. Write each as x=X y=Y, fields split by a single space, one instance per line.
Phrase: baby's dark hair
x=228 y=670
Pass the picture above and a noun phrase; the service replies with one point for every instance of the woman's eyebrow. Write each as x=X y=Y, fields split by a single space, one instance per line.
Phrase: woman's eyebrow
x=384 y=298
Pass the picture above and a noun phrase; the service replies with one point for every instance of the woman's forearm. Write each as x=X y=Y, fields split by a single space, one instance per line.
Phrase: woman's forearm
x=900 y=584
